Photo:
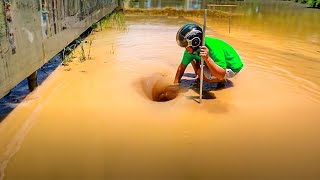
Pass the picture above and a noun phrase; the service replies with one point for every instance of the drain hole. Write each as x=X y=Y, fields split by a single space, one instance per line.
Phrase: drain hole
x=158 y=88
x=164 y=94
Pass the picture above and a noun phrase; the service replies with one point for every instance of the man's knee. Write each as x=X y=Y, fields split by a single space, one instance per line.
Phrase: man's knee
x=204 y=76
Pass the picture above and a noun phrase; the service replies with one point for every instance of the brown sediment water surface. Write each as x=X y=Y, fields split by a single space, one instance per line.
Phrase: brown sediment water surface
x=97 y=120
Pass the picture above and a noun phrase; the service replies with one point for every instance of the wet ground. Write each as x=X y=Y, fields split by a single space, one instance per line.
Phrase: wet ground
x=96 y=119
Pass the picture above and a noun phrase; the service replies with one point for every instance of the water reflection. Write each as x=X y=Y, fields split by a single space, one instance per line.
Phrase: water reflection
x=178 y=4
x=286 y=30
x=287 y=18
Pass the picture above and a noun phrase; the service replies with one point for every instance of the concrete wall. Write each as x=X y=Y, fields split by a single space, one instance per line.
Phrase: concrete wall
x=33 y=31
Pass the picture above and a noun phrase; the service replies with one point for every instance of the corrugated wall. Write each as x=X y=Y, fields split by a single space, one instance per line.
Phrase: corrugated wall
x=33 y=31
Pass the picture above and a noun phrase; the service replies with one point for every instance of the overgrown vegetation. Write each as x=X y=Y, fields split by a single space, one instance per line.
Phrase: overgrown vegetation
x=312 y=3
x=114 y=20
x=69 y=53
x=176 y=12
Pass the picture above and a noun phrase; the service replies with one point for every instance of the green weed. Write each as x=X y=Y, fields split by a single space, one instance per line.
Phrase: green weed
x=67 y=55
x=82 y=53
x=90 y=44
x=115 y=20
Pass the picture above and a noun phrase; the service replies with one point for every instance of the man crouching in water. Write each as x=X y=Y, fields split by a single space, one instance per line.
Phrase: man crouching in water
x=221 y=61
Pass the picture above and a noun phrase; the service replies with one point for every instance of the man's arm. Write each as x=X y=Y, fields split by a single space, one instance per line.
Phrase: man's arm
x=215 y=70
x=179 y=73
x=196 y=66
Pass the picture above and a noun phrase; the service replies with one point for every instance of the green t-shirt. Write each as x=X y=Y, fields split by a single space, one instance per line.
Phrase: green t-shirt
x=220 y=52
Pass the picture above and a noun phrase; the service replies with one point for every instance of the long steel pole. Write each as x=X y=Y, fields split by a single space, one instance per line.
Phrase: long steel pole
x=203 y=44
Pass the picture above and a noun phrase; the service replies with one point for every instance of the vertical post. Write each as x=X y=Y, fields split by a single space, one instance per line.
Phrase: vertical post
x=48 y=18
x=203 y=44
x=141 y=4
x=120 y=4
x=229 y=22
x=203 y=4
x=230 y=14
x=54 y=16
x=32 y=81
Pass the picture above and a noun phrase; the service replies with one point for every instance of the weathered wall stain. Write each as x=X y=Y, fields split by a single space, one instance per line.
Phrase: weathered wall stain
x=28 y=34
x=2 y=26
x=10 y=31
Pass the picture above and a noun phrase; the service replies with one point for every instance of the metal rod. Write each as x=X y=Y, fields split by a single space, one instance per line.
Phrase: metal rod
x=203 y=44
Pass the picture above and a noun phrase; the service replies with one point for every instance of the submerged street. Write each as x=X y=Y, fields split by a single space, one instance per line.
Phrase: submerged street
x=96 y=119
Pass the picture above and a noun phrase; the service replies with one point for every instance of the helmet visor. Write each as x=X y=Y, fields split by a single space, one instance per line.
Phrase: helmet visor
x=181 y=41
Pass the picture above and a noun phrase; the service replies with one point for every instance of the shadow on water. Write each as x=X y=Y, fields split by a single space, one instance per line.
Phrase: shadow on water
x=9 y=102
x=194 y=85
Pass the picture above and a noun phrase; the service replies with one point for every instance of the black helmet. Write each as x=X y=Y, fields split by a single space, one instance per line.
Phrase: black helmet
x=190 y=35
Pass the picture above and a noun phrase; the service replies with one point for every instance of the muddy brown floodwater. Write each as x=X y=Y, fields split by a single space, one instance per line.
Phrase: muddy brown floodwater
x=98 y=119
